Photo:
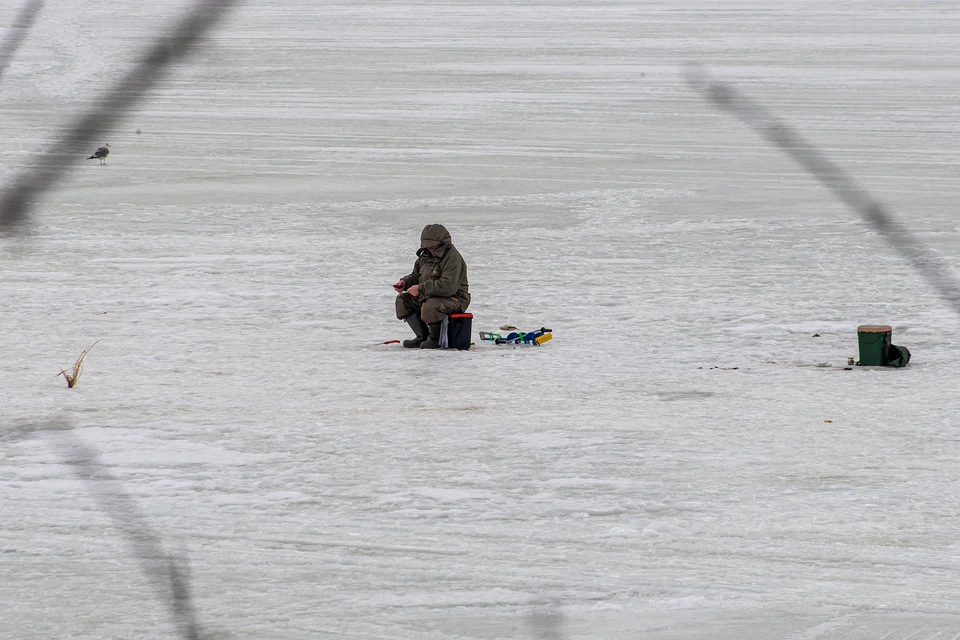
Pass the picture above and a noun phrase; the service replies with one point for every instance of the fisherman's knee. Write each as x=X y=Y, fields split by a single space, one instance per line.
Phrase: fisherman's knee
x=431 y=310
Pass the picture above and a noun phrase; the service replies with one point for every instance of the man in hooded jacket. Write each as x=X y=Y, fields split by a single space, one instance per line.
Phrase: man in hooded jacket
x=436 y=287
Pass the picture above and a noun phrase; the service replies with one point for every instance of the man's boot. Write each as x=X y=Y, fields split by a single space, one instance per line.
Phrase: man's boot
x=433 y=341
x=419 y=327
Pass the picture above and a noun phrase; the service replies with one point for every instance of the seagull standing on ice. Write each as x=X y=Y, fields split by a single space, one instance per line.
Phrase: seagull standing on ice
x=101 y=153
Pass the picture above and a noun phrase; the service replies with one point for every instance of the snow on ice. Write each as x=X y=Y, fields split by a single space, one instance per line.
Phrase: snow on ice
x=234 y=259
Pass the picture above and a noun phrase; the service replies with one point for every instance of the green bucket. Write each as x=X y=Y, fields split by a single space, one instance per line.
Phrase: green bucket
x=874 y=341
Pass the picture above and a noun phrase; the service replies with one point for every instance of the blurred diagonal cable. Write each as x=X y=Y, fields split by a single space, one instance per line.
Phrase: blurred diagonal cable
x=16 y=199
x=167 y=574
x=18 y=32
x=775 y=130
x=546 y=622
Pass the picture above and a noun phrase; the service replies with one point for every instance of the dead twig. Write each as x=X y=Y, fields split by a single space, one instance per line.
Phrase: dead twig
x=74 y=374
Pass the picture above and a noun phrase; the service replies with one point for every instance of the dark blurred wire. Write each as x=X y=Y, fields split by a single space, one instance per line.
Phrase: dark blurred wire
x=16 y=200
x=167 y=574
x=18 y=32
x=546 y=623
x=776 y=131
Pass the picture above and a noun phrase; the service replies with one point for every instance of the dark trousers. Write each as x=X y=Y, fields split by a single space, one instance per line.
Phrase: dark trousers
x=431 y=310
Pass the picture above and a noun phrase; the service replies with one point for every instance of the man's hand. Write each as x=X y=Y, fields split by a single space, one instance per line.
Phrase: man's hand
x=414 y=290
x=398 y=287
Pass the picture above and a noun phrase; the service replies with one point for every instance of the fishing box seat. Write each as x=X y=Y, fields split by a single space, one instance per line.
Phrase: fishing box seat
x=874 y=342
x=459 y=328
x=877 y=348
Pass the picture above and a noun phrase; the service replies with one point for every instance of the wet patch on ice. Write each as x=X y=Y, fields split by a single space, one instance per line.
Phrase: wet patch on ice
x=693 y=394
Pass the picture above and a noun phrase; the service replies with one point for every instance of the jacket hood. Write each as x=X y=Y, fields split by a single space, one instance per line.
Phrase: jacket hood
x=433 y=234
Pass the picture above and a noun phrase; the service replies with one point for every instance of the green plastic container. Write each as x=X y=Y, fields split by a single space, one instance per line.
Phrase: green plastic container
x=874 y=343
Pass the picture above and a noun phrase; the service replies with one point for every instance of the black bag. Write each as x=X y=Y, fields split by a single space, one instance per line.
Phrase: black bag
x=897 y=356
x=459 y=328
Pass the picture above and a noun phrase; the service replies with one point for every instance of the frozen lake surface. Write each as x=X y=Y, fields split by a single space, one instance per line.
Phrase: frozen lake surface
x=672 y=465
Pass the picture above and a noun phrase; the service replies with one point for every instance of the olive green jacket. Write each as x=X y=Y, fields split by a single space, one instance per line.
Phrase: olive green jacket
x=441 y=274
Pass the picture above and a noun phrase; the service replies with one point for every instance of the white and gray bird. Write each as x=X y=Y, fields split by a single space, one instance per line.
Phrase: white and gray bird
x=101 y=153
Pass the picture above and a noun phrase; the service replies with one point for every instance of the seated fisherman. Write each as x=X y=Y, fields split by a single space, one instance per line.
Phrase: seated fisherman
x=436 y=287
